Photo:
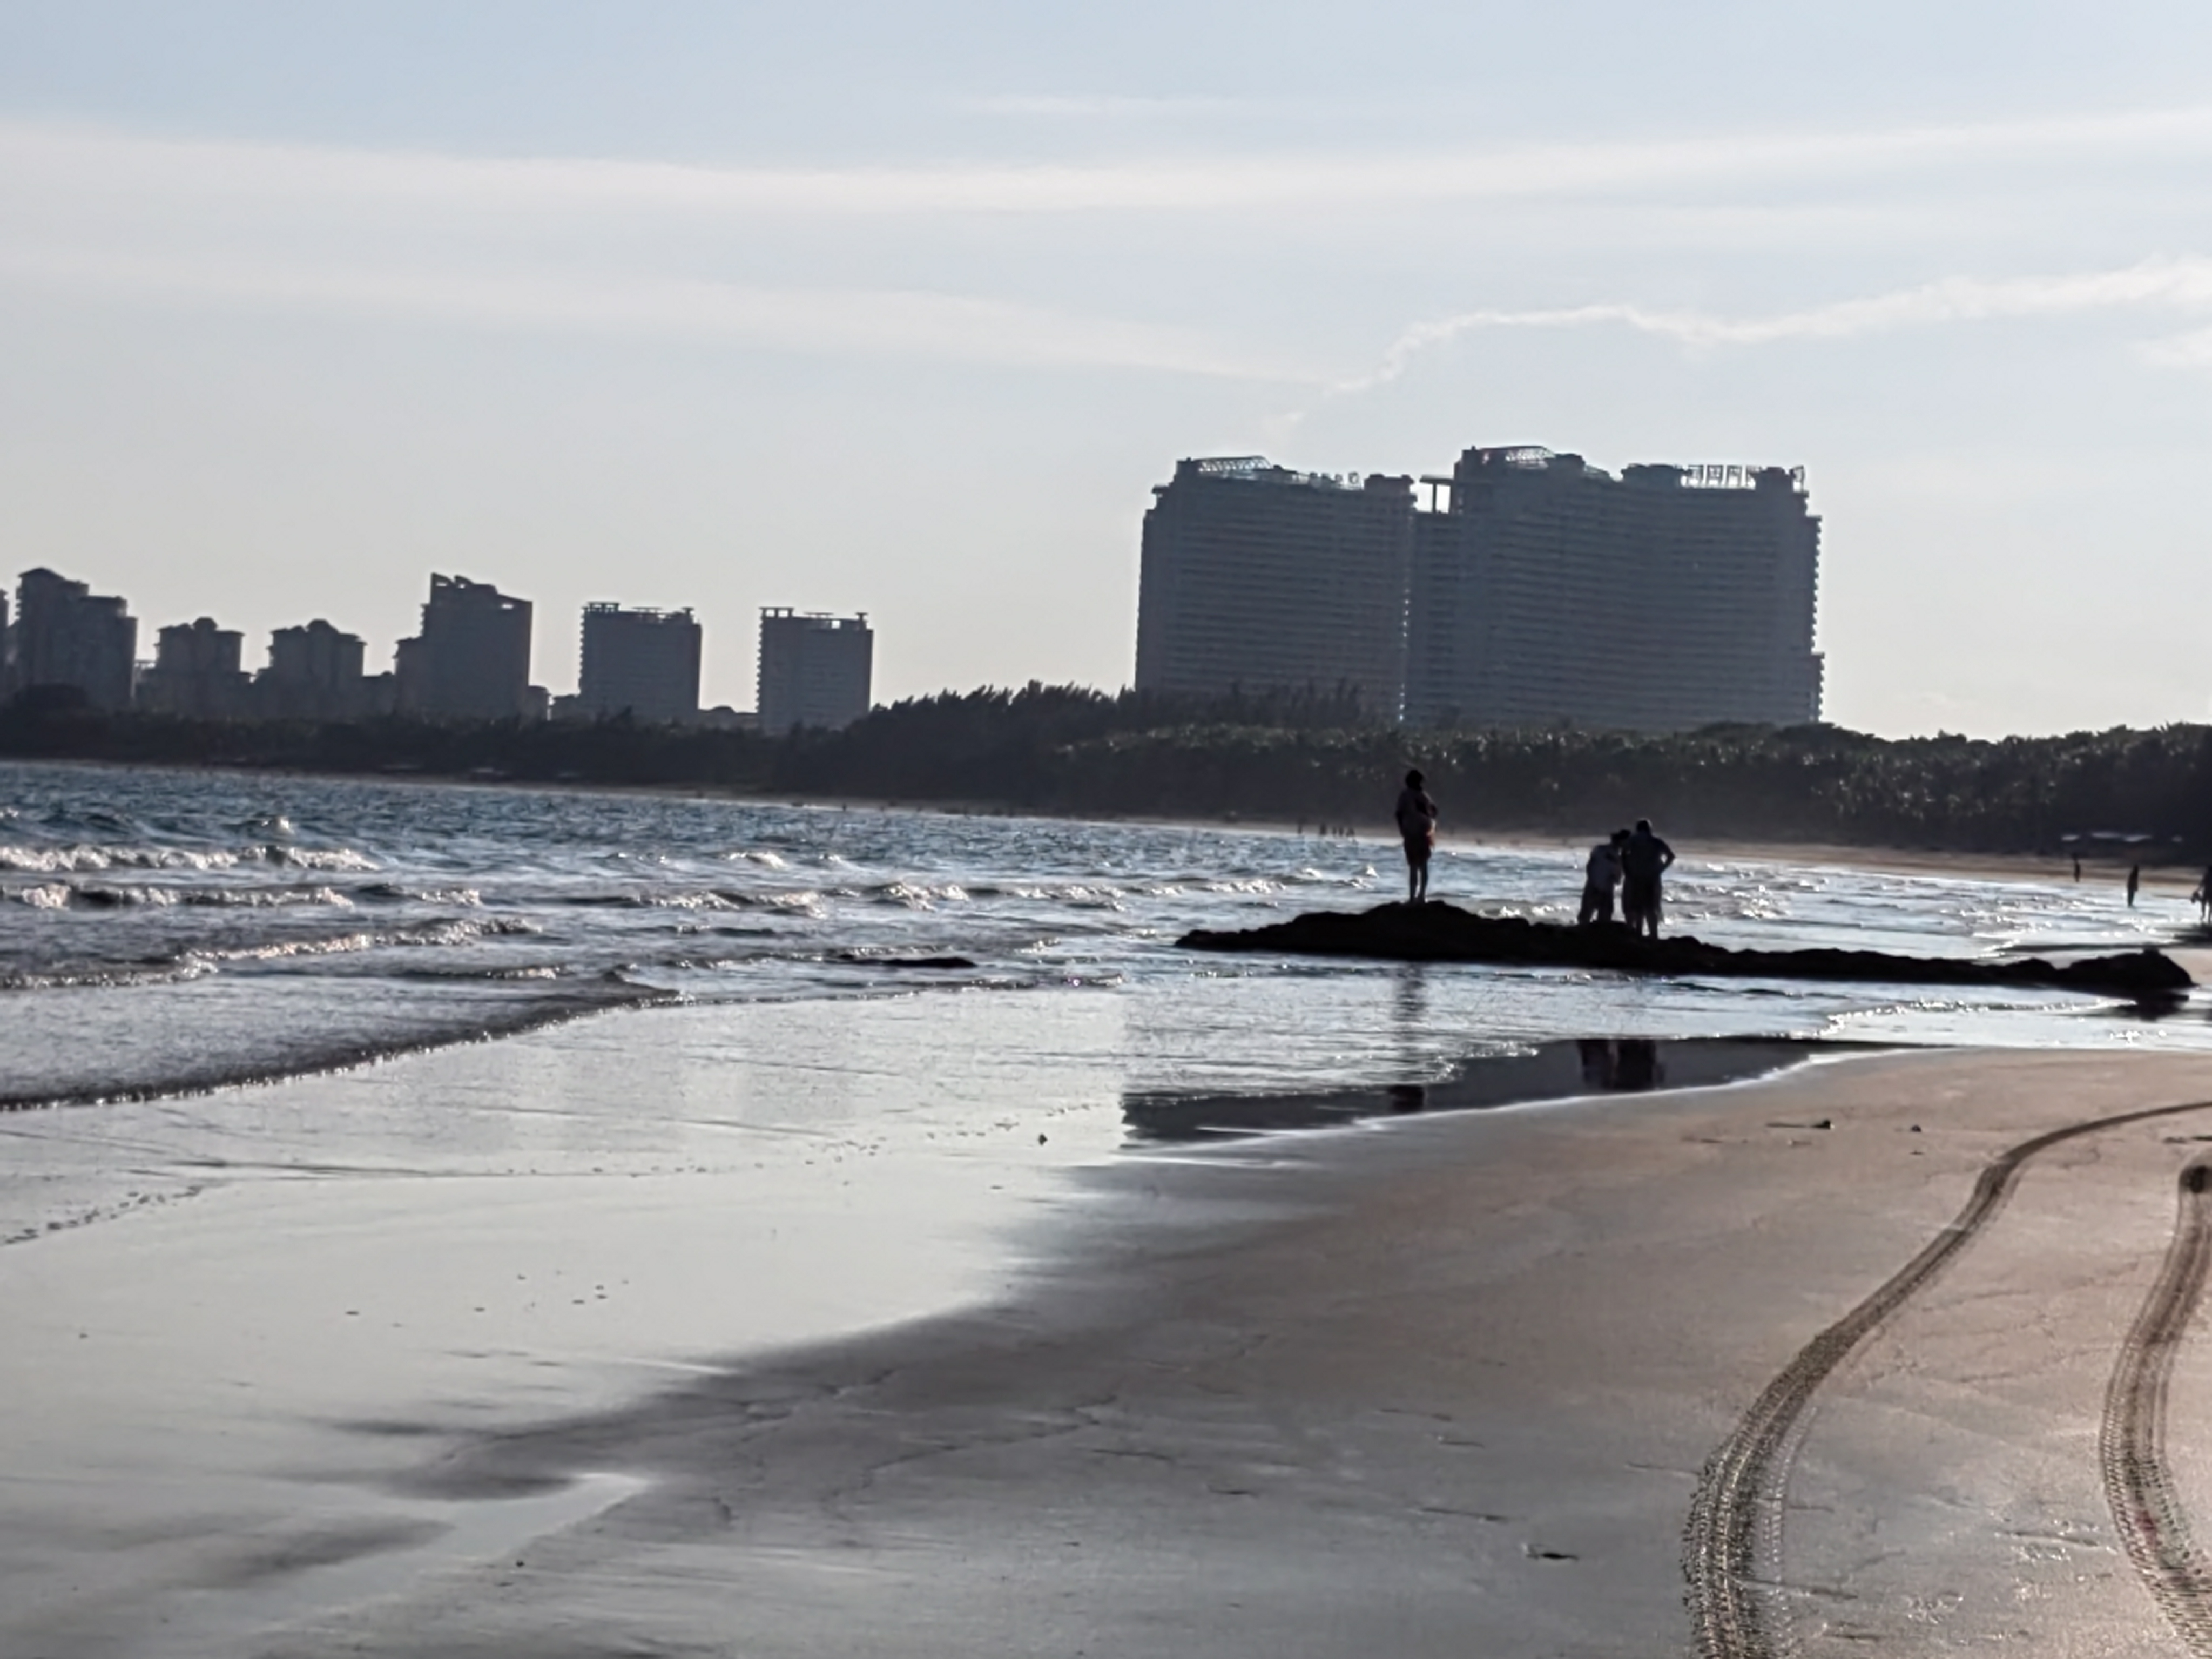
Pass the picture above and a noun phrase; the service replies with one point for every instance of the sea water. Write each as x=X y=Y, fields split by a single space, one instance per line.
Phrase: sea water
x=164 y=930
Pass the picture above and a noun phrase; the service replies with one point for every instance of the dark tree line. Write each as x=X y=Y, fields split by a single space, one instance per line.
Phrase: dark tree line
x=1307 y=756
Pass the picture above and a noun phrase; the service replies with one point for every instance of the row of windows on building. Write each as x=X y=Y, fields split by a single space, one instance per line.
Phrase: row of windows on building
x=471 y=660
x=1534 y=590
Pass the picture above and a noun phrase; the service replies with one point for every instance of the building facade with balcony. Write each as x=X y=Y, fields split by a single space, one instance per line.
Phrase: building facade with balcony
x=472 y=660
x=1257 y=579
x=641 y=663
x=1668 y=598
x=815 y=670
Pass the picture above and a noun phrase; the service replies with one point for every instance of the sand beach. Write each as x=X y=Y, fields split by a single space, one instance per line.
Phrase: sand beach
x=1456 y=1382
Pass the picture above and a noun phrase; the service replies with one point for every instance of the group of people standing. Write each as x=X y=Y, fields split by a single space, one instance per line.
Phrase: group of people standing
x=1632 y=863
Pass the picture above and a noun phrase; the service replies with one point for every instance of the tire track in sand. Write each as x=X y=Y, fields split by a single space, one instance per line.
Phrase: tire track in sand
x=2131 y=1443
x=1732 y=1541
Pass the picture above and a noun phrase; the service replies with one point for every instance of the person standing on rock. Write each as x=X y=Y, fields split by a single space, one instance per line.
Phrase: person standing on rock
x=1600 y=876
x=1643 y=860
x=1417 y=825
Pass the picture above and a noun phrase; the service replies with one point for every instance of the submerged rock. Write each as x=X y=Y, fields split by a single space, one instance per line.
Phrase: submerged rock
x=1443 y=933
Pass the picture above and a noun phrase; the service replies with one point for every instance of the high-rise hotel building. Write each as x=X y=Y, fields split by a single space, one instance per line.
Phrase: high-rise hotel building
x=1552 y=593
x=1256 y=579
x=641 y=663
x=1543 y=593
x=815 y=670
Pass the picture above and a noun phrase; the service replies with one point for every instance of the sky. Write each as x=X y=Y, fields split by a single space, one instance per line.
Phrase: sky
x=905 y=308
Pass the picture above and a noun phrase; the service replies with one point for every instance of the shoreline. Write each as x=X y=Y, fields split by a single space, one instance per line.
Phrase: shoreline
x=1360 y=1389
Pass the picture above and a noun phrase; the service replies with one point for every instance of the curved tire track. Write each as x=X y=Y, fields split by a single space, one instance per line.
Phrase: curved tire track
x=2131 y=1443
x=1734 y=1525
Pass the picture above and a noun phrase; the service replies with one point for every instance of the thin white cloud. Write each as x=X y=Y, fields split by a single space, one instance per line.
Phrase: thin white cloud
x=1094 y=105
x=2183 y=285
x=867 y=322
x=77 y=163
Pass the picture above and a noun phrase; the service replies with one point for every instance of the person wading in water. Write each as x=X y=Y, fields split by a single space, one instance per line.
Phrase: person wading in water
x=1417 y=823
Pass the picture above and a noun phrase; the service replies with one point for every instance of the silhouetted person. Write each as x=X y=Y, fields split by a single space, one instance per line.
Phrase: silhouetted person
x=1416 y=823
x=1600 y=876
x=1643 y=860
x=2077 y=867
x=2203 y=896
x=2135 y=881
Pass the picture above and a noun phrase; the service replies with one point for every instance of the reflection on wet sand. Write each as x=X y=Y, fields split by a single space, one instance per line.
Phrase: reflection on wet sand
x=1549 y=1071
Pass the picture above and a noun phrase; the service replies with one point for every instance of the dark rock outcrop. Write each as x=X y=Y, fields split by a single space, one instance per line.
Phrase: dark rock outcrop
x=1443 y=933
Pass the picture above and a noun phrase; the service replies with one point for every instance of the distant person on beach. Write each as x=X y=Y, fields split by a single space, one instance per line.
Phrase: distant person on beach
x=1600 y=876
x=2077 y=867
x=2203 y=896
x=2135 y=881
x=1416 y=823
x=1643 y=860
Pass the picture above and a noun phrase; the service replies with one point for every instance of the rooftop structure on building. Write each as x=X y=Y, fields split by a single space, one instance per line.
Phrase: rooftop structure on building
x=196 y=673
x=1550 y=593
x=472 y=660
x=65 y=635
x=1256 y=578
x=815 y=670
x=644 y=664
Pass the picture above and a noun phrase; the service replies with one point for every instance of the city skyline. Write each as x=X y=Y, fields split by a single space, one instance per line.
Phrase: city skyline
x=299 y=302
x=469 y=658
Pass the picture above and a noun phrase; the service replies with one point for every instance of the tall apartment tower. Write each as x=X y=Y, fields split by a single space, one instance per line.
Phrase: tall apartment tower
x=67 y=635
x=1668 y=597
x=314 y=674
x=1257 y=578
x=472 y=660
x=196 y=672
x=643 y=663
x=815 y=670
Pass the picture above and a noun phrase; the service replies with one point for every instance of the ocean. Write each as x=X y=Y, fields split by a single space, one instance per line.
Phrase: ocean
x=170 y=931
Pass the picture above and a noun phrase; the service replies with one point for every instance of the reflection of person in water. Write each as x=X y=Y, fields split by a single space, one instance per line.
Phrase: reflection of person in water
x=1621 y=1063
x=1639 y=1064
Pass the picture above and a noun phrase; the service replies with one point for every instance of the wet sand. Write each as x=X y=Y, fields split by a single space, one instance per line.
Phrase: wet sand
x=1450 y=1387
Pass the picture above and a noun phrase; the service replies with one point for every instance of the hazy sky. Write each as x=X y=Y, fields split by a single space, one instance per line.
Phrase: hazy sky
x=904 y=308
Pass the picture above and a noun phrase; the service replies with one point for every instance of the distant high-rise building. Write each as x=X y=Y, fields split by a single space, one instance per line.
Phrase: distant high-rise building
x=314 y=674
x=643 y=663
x=67 y=635
x=472 y=660
x=1668 y=597
x=815 y=670
x=1256 y=578
x=196 y=672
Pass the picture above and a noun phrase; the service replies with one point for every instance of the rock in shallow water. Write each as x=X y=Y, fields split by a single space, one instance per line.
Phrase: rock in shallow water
x=1445 y=932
